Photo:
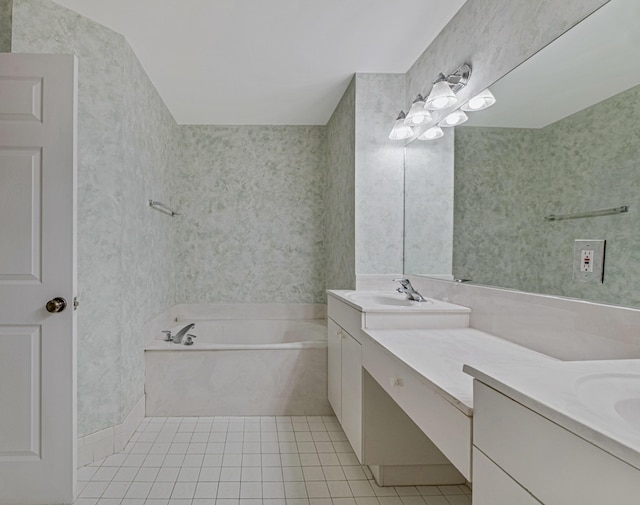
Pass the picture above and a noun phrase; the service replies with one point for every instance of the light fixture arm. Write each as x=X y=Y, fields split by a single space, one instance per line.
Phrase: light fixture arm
x=458 y=79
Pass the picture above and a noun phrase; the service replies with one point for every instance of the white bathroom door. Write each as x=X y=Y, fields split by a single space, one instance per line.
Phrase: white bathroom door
x=37 y=264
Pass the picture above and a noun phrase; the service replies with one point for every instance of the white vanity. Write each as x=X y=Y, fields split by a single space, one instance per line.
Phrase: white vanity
x=557 y=433
x=529 y=429
x=383 y=435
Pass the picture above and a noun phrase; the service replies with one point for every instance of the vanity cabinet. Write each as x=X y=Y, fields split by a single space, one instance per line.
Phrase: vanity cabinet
x=380 y=432
x=345 y=382
x=520 y=455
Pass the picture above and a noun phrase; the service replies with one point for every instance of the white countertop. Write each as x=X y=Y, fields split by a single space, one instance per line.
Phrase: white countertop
x=438 y=355
x=580 y=396
x=391 y=301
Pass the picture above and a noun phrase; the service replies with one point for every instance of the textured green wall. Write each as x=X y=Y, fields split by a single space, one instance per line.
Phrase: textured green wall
x=6 y=15
x=507 y=180
x=125 y=156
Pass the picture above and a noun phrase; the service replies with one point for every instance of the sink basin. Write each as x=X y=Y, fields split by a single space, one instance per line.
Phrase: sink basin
x=615 y=396
x=629 y=410
x=379 y=299
x=367 y=298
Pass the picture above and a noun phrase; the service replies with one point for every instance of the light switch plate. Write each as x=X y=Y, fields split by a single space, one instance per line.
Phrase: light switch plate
x=588 y=260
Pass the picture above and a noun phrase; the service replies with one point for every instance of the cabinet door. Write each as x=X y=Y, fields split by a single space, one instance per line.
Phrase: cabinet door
x=352 y=392
x=334 y=339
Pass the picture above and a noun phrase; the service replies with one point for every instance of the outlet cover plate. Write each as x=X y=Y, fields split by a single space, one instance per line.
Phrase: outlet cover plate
x=597 y=261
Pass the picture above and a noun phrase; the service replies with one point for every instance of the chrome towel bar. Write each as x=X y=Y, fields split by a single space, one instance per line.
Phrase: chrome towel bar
x=594 y=213
x=161 y=207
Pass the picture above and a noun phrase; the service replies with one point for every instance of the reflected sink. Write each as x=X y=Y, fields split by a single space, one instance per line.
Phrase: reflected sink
x=615 y=396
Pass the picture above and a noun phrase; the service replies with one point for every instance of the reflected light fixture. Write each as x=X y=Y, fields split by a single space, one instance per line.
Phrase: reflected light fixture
x=417 y=115
x=481 y=101
x=435 y=132
x=400 y=131
x=457 y=117
x=443 y=93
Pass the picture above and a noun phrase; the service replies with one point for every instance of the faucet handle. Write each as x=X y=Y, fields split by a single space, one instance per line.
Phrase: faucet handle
x=404 y=281
x=189 y=339
x=167 y=335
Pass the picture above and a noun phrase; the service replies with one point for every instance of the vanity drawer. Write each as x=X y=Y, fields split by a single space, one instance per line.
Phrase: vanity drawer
x=491 y=486
x=345 y=315
x=555 y=465
x=447 y=427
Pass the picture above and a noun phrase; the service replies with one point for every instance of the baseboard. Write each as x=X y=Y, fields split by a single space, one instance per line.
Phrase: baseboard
x=104 y=443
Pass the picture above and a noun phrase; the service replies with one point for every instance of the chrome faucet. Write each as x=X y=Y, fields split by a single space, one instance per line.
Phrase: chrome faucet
x=177 y=338
x=407 y=289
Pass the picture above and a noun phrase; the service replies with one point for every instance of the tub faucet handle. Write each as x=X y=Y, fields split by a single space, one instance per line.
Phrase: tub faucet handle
x=189 y=339
x=167 y=335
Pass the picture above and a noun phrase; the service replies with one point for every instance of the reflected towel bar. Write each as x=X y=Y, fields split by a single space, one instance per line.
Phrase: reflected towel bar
x=593 y=213
x=161 y=207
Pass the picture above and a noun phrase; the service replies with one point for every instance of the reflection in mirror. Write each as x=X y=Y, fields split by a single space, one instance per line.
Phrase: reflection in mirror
x=428 y=213
x=563 y=137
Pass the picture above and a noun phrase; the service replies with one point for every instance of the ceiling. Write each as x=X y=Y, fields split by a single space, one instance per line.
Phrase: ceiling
x=279 y=62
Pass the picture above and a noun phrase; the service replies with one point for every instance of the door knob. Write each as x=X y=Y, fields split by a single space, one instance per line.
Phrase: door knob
x=56 y=305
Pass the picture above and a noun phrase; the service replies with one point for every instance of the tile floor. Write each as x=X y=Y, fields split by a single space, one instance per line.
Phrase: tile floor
x=245 y=461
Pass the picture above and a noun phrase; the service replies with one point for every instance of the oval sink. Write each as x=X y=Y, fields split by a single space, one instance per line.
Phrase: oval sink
x=615 y=396
x=629 y=410
x=380 y=299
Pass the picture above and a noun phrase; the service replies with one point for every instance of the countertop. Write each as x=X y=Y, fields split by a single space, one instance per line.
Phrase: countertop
x=568 y=393
x=367 y=301
x=438 y=355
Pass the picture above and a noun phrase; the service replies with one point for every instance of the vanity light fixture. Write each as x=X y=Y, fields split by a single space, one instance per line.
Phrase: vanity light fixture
x=481 y=101
x=457 y=117
x=443 y=93
x=400 y=131
x=417 y=115
x=435 y=132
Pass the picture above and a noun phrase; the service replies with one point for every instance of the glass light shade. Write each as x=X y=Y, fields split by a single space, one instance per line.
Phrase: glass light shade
x=456 y=118
x=480 y=101
x=400 y=131
x=441 y=97
x=435 y=132
x=417 y=115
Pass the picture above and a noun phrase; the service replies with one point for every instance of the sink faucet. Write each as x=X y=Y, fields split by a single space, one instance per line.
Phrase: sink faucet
x=407 y=289
x=177 y=338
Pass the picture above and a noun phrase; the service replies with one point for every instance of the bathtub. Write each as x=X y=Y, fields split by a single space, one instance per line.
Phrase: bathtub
x=246 y=360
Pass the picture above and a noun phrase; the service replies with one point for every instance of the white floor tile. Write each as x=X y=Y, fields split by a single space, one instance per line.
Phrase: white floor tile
x=295 y=490
x=147 y=474
x=294 y=460
x=292 y=474
x=116 y=490
x=139 y=490
x=339 y=489
x=367 y=501
x=183 y=490
x=229 y=490
x=317 y=489
x=206 y=490
x=273 y=490
x=313 y=473
x=251 y=490
x=161 y=490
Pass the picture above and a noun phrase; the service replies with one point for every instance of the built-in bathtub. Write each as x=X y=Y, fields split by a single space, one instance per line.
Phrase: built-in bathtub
x=246 y=360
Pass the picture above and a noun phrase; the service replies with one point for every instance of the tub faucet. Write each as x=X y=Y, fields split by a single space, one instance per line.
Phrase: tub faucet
x=407 y=289
x=177 y=338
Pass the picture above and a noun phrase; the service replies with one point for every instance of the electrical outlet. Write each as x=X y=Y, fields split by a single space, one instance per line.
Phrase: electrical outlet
x=588 y=260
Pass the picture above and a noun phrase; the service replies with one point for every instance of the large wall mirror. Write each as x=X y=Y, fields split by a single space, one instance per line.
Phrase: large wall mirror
x=562 y=139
